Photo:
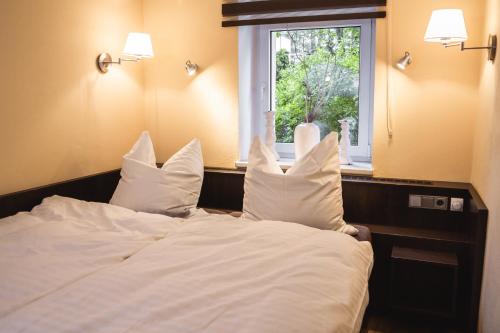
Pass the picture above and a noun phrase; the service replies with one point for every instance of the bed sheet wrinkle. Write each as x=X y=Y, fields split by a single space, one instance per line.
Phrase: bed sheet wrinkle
x=104 y=216
x=65 y=240
x=260 y=277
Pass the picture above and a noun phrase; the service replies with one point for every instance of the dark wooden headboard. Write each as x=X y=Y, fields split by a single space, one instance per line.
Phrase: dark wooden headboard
x=98 y=188
x=366 y=199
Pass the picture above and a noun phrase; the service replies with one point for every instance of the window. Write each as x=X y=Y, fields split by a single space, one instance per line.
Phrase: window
x=319 y=73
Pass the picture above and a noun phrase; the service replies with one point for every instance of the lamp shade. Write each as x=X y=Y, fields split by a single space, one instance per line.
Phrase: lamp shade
x=446 y=26
x=138 y=46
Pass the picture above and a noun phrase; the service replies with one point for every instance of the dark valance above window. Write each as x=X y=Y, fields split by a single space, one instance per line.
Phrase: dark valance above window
x=292 y=11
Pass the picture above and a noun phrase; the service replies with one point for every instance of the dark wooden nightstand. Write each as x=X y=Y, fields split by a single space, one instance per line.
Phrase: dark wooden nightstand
x=424 y=281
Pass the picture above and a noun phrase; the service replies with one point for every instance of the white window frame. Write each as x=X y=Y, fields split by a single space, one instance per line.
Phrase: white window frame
x=265 y=75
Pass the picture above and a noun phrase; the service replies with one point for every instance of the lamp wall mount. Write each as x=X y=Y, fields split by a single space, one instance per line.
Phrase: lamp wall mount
x=492 y=47
x=104 y=61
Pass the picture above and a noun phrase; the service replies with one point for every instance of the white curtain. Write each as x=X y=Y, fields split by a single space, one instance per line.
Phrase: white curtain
x=253 y=86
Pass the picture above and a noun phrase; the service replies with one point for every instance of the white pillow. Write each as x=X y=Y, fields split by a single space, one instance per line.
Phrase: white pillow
x=174 y=189
x=310 y=192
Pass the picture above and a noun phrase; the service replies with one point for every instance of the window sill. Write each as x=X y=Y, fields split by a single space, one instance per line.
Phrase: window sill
x=357 y=168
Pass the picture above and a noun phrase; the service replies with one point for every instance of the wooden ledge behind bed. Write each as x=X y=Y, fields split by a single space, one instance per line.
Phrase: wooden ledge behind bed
x=364 y=233
x=378 y=204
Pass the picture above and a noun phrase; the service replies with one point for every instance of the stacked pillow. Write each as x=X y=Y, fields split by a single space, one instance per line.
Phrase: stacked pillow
x=173 y=189
x=310 y=192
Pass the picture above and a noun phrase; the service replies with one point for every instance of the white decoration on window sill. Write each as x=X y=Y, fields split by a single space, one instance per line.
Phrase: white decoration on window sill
x=271 y=133
x=306 y=136
x=356 y=168
x=345 y=142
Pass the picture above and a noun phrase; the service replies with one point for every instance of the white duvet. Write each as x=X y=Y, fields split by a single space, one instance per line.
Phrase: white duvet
x=107 y=269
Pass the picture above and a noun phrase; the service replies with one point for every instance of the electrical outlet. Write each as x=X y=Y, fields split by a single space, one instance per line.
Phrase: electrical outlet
x=457 y=204
x=428 y=202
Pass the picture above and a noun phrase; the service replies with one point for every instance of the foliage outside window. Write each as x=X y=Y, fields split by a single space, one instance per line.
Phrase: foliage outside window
x=316 y=79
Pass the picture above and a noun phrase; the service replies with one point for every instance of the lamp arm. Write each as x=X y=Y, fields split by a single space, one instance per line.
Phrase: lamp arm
x=119 y=62
x=476 y=48
x=462 y=46
x=492 y=47
x=452 y=44
x=129 y=59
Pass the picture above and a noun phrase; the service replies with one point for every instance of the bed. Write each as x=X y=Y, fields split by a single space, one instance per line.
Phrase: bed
x=76 y=266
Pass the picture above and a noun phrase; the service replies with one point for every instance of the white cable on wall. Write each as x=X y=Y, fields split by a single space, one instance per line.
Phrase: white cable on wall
x=388 y=67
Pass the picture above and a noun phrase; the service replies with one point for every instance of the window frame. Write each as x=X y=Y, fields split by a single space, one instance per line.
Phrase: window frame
x=267 y=72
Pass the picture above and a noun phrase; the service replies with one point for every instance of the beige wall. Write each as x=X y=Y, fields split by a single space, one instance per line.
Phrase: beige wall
x=70 y=120
x=434 y=101
x=486 y=173
x=59 y=117
x=179 y=107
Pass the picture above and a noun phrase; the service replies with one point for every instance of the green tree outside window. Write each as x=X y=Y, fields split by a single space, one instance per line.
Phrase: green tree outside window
x=317 y=80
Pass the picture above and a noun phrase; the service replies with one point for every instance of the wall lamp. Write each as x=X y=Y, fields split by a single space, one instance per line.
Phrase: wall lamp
x=191 y=68
x=405 y=61
x=137 y=47
x=447 y=26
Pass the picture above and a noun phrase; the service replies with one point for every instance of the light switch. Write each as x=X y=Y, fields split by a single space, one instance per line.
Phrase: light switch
x=457 y=205
x=415 y=201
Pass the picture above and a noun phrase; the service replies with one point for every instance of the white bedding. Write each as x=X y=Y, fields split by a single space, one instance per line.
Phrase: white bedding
x=209 y=273
x=63 y=240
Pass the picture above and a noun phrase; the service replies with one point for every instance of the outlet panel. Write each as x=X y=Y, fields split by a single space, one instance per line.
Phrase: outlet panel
x=428 y=202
